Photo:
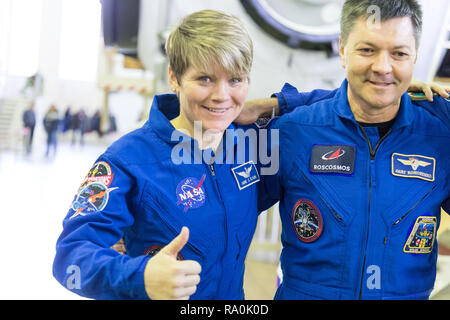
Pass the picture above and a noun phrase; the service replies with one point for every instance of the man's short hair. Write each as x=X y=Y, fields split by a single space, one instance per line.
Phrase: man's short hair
x=388 y=9
x=210 y=36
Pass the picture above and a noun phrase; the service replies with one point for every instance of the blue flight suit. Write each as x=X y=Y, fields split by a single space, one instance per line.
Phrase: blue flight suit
x=137 y=189
x=359 y=212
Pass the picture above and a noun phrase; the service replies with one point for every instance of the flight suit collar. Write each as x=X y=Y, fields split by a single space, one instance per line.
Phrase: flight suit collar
x=166 y=107
x=405 y=115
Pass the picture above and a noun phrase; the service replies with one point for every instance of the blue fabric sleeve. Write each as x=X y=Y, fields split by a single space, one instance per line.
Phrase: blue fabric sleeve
x=269 y=188
x=84 y=262
x=440 y=107
x=290 y=98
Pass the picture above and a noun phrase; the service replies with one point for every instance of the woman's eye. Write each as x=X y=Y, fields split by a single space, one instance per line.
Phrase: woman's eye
x=236 y=80
x=204 y=79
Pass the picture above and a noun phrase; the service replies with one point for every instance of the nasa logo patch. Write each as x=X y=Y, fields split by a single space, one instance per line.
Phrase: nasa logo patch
x=307 y=221
x=191 y=193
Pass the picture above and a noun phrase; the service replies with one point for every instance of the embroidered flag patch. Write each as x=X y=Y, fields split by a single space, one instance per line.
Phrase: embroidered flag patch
x=333 y=159
x=421 y=238
x=413 y=166
x=246 y=174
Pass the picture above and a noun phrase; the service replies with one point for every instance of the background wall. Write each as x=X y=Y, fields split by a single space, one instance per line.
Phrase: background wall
x=307 y=70
x=274 y=63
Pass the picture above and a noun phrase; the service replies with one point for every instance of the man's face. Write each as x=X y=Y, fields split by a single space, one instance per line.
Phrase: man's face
x=379 y=60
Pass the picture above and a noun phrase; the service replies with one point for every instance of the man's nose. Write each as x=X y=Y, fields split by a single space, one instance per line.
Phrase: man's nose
x=382 y=63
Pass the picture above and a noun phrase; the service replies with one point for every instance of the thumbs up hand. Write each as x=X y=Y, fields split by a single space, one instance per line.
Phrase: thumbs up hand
x=167 y=278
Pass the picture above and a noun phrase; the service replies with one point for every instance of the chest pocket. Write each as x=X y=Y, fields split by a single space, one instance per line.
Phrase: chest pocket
x=406 y=183
x=342 y=192
x=161 y=214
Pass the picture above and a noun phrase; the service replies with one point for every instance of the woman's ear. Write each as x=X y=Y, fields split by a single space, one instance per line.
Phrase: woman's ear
x=173 y=82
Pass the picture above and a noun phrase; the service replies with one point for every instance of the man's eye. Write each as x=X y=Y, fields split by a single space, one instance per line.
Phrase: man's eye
x=400 y=54
x=236 y=80
x=366 y=50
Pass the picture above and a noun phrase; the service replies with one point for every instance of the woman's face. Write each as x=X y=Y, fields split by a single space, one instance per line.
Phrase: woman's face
x=210 y=95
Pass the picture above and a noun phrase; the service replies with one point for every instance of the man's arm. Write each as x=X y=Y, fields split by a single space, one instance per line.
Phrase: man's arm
x=280 y=103
x=440 y=107
x=290 y=98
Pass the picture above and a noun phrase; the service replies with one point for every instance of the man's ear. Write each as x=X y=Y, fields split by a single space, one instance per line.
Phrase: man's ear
x=342 y=53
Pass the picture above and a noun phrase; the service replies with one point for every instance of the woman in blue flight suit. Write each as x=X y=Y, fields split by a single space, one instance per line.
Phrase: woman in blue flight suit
x=155 y=181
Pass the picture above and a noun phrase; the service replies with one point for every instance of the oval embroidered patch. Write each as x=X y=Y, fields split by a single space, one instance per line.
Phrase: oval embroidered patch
x=307 y=221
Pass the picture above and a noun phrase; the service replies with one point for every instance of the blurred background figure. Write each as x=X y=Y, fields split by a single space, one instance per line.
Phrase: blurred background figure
x=29 y=122
x=112 y=123
x=51 y=125
x=67 y=120
x=79 y=126
x=95 y=123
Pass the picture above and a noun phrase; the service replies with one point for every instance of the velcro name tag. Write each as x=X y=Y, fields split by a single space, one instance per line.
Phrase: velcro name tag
x=333 y=159
x=413 y=166
x=246 y=174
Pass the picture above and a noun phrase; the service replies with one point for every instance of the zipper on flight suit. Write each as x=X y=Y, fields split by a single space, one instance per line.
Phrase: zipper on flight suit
x=414 y=206
x=211 y=167
x=214 y=177
x=338 y=217
x=372 y=158
x=411 y=209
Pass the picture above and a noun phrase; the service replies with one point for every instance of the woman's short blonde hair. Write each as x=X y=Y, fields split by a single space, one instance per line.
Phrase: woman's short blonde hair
x=207 y=37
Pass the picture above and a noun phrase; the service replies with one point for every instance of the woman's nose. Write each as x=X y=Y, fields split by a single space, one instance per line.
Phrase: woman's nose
x=220 y=91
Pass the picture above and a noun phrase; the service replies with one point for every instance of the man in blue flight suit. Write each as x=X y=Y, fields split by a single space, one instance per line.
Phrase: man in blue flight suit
x=364 y=174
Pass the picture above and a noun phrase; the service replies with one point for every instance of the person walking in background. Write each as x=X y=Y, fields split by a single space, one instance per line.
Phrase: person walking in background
x=51 y=125
x=79 y=124
x=29 y=122
x=67 y=120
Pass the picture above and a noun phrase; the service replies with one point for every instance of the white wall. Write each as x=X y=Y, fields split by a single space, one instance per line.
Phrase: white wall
x=308 y=70
x=61 y=92
x=433 y=19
